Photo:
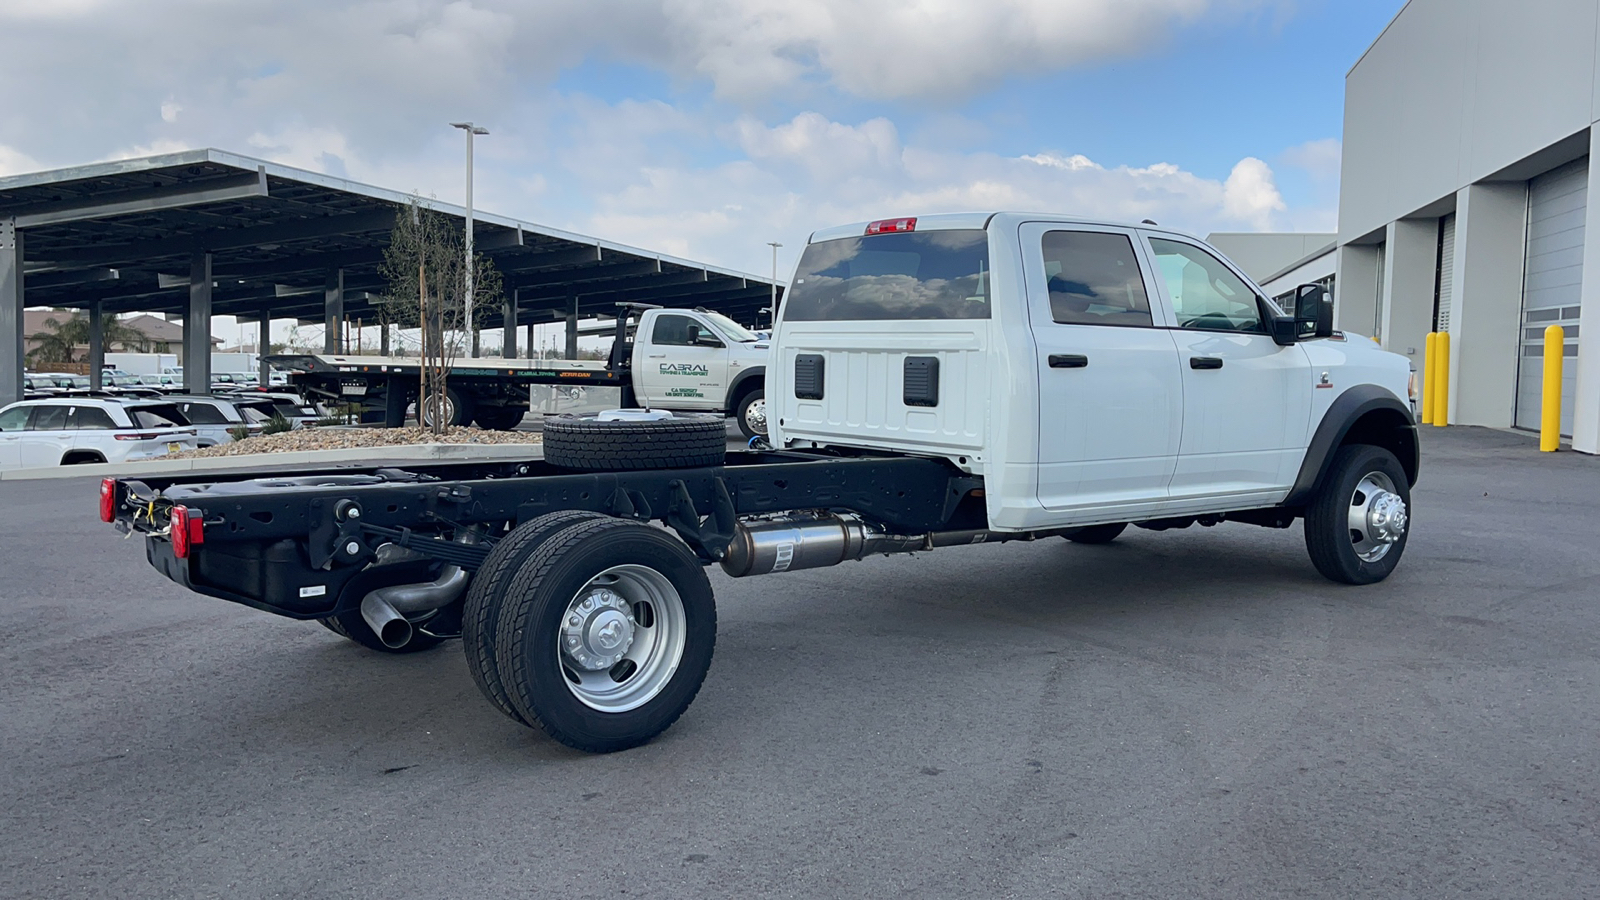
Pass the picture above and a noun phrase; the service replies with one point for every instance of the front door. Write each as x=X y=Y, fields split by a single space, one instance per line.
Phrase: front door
x=12 y=424
x=1246 y=398
x=1110 y=392
x=685 y=365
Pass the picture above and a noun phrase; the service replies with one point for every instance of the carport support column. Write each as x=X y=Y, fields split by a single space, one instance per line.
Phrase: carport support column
x=572 y=326
x=97 y=346
x=1355 y=299
x=508 y=326
x=333 y=312
x=1408 y=277
x=1486 y=303
x=197 y=326
x=532 y=350
x=1586 y=402
x=11 y=338
x=264 y=346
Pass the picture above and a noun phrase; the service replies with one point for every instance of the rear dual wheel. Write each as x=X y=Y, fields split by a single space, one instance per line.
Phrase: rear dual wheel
x=598 y=631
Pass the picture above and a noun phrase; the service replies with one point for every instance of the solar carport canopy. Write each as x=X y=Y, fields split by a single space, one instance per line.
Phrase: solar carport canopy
x=204 y=233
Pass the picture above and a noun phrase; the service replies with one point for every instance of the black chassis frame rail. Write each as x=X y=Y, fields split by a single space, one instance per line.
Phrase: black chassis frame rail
x=288 y=544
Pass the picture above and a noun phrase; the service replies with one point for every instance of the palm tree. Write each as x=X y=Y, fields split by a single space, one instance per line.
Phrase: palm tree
x=59 y=342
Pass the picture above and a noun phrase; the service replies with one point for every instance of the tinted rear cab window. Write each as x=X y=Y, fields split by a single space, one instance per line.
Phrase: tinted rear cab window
x=918 y=275
x=166 y=415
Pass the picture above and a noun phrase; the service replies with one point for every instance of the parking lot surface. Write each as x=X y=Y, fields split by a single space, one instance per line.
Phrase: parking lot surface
x=1180 y=714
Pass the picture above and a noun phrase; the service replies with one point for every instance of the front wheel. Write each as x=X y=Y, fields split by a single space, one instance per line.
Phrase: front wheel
x=752 y=414
x=606 y=634
x=1357 y=524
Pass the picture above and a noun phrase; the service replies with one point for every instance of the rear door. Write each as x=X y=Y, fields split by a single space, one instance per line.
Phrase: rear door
x=1110 y=390
x=685 y=364
x=1247 y=400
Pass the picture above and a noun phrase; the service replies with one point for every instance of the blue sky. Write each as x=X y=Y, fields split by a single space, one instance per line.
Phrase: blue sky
x=705 y=128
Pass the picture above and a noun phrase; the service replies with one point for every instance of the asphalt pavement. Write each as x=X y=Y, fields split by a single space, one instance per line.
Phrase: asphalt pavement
x=1180 y=714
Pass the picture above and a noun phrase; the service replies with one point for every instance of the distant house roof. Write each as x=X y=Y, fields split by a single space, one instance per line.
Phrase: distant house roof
x=157 y=329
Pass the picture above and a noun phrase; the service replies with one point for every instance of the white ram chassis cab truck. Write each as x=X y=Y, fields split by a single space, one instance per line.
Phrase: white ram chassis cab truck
x=934 y=382
x=685 y=360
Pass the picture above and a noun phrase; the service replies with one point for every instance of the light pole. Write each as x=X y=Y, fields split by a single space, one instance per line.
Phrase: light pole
x=772 y=313
x=472 y=332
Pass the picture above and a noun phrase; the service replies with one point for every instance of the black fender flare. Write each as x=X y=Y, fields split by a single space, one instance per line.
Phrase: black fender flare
x=757 y=374
x=1349 y=409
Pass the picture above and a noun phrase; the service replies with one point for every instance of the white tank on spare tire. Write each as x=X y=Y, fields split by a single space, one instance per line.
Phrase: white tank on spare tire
x=632 y=439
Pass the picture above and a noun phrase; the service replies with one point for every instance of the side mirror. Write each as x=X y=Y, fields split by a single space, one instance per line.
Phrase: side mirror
x=1313 y=312
x=1284 y=329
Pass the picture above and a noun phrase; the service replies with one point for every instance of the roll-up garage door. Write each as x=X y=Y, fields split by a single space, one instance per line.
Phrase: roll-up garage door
x=1446 y=273
x=1552 y=286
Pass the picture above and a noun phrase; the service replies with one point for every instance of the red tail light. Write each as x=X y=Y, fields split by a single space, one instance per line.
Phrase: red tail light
x=108 y=499
x=187 y=533
x=891 y=226
x=135 y=436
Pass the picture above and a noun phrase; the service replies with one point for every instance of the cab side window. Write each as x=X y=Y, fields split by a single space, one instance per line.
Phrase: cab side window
x=1206 y=295
x=92 y=419
x=1094 y=279
x=673 y=331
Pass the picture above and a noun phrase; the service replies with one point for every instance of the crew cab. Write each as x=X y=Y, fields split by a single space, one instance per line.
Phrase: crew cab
x=934 y=382
x=687 y=360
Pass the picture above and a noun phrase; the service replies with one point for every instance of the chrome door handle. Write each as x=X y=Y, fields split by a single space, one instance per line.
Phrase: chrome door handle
x=656 y=356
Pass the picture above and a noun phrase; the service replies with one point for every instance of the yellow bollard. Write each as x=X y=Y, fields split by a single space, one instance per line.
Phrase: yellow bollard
x=1555 y=346
x=1441 y=380
x=1428 y=352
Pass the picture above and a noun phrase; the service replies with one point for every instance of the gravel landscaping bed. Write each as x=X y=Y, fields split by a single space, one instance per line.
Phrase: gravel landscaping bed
x=353 y=438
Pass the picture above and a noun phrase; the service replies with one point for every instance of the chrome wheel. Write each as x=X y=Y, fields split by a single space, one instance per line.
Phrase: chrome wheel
x=755 y=416
x=622 y=638
x=436 y=409
x=1378 y=516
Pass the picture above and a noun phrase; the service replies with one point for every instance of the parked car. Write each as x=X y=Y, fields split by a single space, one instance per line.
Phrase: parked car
x=65 y=380
x=259 y=408
x=214 y=418
x=167 y=383
x=62 y=431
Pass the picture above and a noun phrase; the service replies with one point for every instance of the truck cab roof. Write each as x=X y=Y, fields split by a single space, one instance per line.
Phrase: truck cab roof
x=982 y=221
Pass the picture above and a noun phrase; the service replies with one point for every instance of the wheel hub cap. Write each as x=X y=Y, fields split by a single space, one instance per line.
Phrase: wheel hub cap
x=598 y=630
x=756 y=416
x=1386 y=517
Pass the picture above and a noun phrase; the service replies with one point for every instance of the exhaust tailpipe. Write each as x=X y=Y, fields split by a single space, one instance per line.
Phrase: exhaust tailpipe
x=386 y=610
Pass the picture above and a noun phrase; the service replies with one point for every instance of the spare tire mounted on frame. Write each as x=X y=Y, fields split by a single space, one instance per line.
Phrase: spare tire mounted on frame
x=634 y=439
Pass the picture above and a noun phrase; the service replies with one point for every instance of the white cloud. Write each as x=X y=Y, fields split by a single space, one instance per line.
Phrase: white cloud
x=1249 y=195
x=169 y=111
x=15 y=162
x=932 y=49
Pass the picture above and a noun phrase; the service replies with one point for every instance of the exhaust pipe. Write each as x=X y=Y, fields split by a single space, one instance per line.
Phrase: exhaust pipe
x=385 y=610
x=815 y=541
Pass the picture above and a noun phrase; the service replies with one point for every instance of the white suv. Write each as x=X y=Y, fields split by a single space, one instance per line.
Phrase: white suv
x=90 y=430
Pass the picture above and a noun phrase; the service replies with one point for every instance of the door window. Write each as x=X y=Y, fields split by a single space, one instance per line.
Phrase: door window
x=50 y=418
x=1094 y=279
x=1206 y=295
x=15 y=419
x=93 y=419
x=676 y=331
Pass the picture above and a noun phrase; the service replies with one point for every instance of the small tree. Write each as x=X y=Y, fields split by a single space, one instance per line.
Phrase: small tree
x=425 y=267
x=59 y=342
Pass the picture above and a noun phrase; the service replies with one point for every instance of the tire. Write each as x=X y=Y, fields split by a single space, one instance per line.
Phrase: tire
x=646 y=581
x=481 y=615
x=1096 y=534
x=458 y=409
x=752 y=414
x=680 y=442
x=499 y=418
x=350 y=626
x=1342 y=511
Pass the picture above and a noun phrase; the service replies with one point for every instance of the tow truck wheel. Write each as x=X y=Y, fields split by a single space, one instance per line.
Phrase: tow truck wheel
x=752 y=414
x=482 y=612
x=605 y=634
x=1357 y=524
x=456 y=409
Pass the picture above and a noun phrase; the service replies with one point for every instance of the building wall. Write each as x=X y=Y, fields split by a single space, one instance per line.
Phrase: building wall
x=1454 y=92
x=1454 y=108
